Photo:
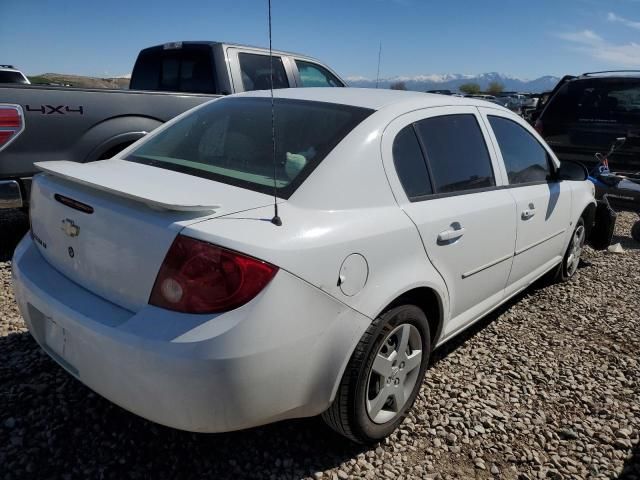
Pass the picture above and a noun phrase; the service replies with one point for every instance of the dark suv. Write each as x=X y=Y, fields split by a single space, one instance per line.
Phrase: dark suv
x=585 y=114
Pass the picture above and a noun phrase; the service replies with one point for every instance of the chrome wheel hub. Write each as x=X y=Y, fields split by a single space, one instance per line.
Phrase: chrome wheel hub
x=394 y=373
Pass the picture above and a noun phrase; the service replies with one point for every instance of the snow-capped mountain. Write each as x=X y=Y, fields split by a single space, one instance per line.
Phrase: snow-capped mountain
x=452 y=81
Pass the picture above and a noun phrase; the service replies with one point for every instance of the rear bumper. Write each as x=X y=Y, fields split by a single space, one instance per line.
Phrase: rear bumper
x=279 y=356
x=10 y=194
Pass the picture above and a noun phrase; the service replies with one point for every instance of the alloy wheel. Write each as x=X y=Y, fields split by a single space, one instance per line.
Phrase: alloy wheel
x=394 y=373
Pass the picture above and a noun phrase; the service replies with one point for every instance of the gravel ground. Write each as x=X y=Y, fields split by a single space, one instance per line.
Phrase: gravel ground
x=546 y=387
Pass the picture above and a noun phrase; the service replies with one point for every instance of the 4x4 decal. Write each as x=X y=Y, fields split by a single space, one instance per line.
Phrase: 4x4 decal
x=60 y=109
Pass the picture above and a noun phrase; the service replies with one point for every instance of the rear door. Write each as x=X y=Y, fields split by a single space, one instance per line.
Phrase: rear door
x=543 y=203
x=448 y=182
x=587 y=115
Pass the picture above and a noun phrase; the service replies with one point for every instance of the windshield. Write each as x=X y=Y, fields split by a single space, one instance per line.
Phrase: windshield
x=230 y=141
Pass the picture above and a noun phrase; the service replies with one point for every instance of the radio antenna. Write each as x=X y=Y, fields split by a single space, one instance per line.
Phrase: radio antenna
x=276 y=218
x=379 y=57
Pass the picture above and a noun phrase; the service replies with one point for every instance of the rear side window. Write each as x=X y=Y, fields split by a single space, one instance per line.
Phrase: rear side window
x=410 y=164
x=525 y=159
x=456 y=153
x=596 y=100
x=230 y=141
x=256 y=72
x=312 y=75
x=186 y=69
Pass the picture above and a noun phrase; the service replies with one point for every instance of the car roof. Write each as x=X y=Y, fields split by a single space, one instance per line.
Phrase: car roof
x=371 y=98
x=229 y=44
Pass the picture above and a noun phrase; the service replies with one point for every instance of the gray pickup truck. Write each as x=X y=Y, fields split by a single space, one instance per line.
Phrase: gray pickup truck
x=39 y=123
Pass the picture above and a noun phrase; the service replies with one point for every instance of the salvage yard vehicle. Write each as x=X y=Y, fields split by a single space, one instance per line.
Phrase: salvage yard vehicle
x=39 y=123
x=585 y=114
x=166 y=280
x=10 y=74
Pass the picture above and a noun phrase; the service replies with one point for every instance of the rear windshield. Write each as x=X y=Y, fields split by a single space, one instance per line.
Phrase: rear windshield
x=601 y=100
x=11 y=77
x=186 y=69
x=230 y=141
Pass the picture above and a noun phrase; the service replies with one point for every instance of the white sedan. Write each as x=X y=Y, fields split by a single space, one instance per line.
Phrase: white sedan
x=161 y=279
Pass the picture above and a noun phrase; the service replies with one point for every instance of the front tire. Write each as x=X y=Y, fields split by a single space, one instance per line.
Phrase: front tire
x=569 y=266
x=635 y=231
x=383 y=377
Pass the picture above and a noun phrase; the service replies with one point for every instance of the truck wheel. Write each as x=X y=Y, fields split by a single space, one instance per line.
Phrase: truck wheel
x=383 y=377
x=635 y=231
x=569 y=266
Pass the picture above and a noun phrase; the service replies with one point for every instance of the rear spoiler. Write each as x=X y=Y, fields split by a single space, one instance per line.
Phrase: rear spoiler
x=155 y=187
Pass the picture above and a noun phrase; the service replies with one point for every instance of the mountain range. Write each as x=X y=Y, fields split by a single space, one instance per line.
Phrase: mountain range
x=452 y=81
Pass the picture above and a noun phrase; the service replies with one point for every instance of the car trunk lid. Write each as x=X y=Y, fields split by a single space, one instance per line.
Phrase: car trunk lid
x=108 y=225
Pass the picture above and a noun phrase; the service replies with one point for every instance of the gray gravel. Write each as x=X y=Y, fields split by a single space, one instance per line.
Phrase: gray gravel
x=547 y=387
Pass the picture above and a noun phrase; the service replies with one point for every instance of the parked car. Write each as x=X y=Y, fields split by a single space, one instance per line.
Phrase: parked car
x=441 y=92
x=480 y=96
x=82 y=125
x=10 y=74
x=586 y=114
x=402 y=218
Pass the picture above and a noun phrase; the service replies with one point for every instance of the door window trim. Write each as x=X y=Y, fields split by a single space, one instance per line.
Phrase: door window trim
x=409 y=119
x=552 y=161
x=296 y=70
x=236 y=71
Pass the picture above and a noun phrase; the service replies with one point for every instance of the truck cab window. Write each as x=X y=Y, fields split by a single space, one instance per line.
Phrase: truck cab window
x=256 y=70
x=187 y=69
x=312 y=75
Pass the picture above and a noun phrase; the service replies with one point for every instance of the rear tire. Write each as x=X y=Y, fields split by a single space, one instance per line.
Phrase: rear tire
x=569 y=266
x=635 y=231
x=383 y=377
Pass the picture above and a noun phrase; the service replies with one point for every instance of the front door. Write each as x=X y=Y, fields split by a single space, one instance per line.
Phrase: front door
x=543 y=203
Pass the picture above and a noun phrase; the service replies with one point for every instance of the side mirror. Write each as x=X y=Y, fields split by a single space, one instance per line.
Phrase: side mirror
x=574 y=171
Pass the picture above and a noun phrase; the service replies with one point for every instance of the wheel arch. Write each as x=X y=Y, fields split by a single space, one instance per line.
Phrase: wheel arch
x=113 y=135
x=429 y=301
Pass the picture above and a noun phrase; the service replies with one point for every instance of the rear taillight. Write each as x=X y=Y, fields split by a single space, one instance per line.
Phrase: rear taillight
x=538 y=127
x=11 y=123
x=198 y=277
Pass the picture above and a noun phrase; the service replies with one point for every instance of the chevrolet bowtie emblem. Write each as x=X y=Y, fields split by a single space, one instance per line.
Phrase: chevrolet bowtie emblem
x=70 y=228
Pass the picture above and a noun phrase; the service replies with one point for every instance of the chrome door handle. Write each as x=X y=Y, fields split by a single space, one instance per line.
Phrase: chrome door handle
x=451 y=234
x=527 y=214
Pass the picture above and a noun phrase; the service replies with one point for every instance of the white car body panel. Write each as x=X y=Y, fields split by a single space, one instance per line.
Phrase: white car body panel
x=350 y=244
x=160 y=189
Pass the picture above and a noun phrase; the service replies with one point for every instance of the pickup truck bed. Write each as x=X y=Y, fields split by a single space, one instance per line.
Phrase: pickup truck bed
x=83 y=125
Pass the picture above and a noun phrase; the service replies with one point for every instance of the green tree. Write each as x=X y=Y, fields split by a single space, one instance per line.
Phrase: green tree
x=398 y=86
x=470 y=88
x=495 y=88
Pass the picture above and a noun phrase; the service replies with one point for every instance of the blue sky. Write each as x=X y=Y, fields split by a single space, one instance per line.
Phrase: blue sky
x=523 y=38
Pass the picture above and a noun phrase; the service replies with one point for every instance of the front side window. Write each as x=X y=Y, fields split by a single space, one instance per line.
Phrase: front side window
x=456 y=153
x=230 y=141
x=410 y=164
x=256 y=72
x=525 y=159
x=312 y=75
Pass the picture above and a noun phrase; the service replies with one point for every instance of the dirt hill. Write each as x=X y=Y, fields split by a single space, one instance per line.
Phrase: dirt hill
x=79 y=81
